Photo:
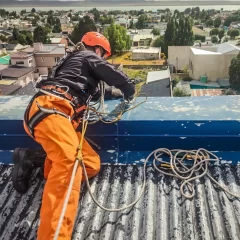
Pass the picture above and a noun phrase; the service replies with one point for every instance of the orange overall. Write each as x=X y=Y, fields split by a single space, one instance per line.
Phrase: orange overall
x=58 y=137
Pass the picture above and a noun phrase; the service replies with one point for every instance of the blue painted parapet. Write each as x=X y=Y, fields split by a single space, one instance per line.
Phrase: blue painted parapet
x=184 y=123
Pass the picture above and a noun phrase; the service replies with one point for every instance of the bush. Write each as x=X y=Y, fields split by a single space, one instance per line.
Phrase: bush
x=187 y=79
x=229 y=91
x=175 y=81
x=180 y=92
x=185 y=69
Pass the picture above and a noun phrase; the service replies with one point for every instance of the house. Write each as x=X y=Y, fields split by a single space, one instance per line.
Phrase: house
x=59 y=40
x=122 y=22
x=47 y=55
x=5 y=60
x=142 y=40
x=23 y=59
x=11 y=47
x=157 y=84
x=146 y=53
x=199 y=31
x=5 y=33
x=212 y=61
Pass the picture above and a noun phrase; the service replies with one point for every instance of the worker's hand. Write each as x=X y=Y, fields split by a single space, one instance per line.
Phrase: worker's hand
x=128 y=99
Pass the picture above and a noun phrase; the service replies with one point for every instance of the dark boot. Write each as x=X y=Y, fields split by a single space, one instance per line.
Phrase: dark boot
x=25 y=160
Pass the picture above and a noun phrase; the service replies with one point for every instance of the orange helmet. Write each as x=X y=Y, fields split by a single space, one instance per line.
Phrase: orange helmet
x=97 y=39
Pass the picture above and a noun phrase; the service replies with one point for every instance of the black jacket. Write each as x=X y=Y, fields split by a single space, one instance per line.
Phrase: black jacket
x=85 y=69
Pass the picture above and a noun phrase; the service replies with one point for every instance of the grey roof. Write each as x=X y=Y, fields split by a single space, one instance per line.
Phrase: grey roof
x=52 y=49
x=223 y=82
x=160 y=214
x=159 y=88
x=29 y=89
x=226 y=47
x=8 y=89
x=15 y=71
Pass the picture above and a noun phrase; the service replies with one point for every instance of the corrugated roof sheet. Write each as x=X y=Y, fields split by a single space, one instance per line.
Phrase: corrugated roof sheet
x=161 y=213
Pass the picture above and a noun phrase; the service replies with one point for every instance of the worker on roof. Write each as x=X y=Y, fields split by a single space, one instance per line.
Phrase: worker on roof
x=52 y=117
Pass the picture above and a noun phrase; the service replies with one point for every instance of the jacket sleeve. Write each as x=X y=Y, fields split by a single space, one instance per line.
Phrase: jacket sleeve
x=106 y=72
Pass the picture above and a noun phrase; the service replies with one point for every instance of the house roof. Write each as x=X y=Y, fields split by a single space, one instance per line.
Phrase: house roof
x=162 y=213
x=137 y=38
x=21 y=55
x=29 y=89
x=15 y=71
x=160 y=88
x=197 y=51
x=227 y=47
x=206 y=92
x=8 y=89
x=157 y=75
x=52 y=49
x=5 y=60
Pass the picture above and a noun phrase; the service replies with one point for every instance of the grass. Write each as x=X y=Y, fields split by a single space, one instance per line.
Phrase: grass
x=126 y=59
x=141 y=75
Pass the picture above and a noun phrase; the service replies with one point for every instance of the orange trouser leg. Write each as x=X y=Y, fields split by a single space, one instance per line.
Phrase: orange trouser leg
x=60 y=141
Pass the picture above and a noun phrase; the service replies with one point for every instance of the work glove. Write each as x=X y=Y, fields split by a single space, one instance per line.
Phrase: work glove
x=128 y=99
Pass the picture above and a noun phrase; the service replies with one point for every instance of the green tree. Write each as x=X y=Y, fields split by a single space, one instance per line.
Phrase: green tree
x=33 y=10
x=221 y=34
x=15 y=36
x=170 y=34
x=214 y=31
x=209 y=23
x=234 y=72
x=230 y=19
x=233 y=33
x=131 y=26
x=85 y=25
x=22 y=39
x=41 y=35
x=217 y=22
x=155 y=31
x=199 y=37
x=23 y=11
x=160 y=42
x=57 y=28
x=106 y=20
x=141 y=21
x=214 y=39
x=187 y=11
x=50 y=20
x=118 y=38
x=96 y=14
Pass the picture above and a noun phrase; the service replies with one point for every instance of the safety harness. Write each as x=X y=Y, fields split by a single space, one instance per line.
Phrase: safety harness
x=79 y=101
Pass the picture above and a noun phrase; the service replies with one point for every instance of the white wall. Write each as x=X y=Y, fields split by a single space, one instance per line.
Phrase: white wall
x=145 y=56
x=214 y=66
x=29 y=62
x=26 y=79
x=179 y=56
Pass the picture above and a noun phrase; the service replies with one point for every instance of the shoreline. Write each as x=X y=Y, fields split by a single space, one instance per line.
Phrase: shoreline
x=119 y=4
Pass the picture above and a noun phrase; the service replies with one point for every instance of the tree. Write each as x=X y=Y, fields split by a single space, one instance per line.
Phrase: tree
x=160 y=42
x=41 y=34
x=221 y=34
x=199 y=37
x=22 y=39
x=33 y=10
x=233 y=33
x=118 y=38
x=170 y=34
x=23 y=11
x=234 y=72
x=85 y=25
x=141 y=21
x=50 y=20
x=187 y=11
x=106 y=20
x=131 y=26
x=214 y=31
x=214 y=39
x=230 y=19
x=15 y=36
x=57 y=28
x=209 y=22
x=155 y=31
x=96 y=14
x=217 y=22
